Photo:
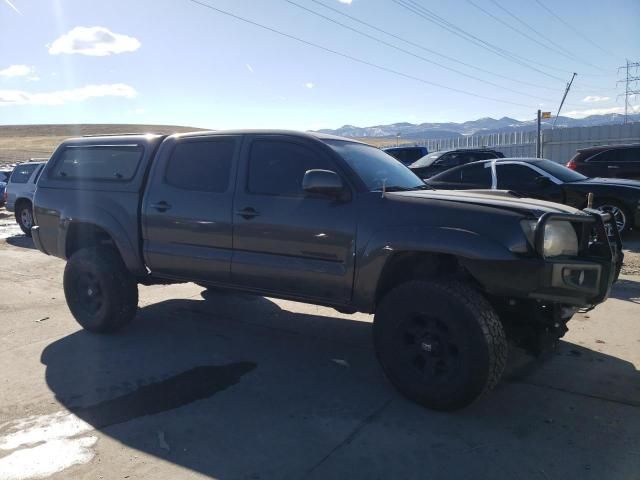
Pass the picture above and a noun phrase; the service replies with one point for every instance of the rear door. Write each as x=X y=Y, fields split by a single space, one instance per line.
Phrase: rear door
x=285 y=240
x=187 y=219
x=603 y=164
x=628 y=162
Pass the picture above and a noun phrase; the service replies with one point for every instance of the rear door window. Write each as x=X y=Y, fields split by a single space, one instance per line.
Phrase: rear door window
x=477 y=174
x=515 y=176
x=630 y=155
x=98 y=162
x=22 y=173
x=201 y=166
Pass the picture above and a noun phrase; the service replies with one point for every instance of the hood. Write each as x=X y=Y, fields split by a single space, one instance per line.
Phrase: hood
x=610 y=182
x=501 y=199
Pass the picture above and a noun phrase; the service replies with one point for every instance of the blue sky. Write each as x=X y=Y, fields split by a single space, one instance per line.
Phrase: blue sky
x=176 y=62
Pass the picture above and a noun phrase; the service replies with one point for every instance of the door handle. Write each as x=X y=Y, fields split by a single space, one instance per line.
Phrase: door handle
x=612 y=166
x=161 y=206
x=248 y=213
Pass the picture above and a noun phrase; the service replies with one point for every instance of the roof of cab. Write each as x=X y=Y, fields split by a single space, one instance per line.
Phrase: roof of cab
x=295 y=133
x=145 y=137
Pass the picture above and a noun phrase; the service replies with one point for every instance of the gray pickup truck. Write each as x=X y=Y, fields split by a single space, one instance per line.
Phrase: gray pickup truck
x=450 y=276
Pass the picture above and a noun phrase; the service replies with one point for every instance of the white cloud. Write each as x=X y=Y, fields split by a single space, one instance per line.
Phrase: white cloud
x=60 y=97
x=309 y=85
x=594 y=98
x=346 y=2
x=599 y=111
x=16 y=71
x=249 y=67
x=33 y=78
x=93 y=41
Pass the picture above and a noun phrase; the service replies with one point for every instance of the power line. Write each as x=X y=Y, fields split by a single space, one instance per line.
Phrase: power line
x=518 y=31
x=573 y=29
x=395 y=47
x=559 y=48
x=351 y=57
x=428 y=15
x=422 y=47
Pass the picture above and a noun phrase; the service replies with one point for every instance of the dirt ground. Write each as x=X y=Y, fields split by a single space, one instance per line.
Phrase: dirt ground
x=206 y=385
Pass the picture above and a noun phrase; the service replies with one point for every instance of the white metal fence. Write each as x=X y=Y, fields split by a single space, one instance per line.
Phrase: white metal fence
x=559 y=144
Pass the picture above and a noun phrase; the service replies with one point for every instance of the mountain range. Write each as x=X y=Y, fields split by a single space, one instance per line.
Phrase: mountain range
x=482 y=125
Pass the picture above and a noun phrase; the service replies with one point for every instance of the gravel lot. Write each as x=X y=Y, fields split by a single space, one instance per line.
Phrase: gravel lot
x=238 y=387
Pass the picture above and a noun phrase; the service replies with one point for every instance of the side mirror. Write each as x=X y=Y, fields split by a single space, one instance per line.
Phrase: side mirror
x=324 y=182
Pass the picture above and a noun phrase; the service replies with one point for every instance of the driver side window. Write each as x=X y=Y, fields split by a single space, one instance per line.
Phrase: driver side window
x=514 y=177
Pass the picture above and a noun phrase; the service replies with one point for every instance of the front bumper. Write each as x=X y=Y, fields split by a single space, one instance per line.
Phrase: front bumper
x=584 y=280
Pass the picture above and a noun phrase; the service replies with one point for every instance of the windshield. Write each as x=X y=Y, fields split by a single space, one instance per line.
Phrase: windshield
x=427 y=160
x=375 y=167
x=560 y=171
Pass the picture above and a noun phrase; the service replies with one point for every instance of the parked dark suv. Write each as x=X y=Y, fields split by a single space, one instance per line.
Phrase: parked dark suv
x=407 y=155
x=609 y=161
x=437 y=162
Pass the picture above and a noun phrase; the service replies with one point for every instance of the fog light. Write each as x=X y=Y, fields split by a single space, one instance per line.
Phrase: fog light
x=573 y=277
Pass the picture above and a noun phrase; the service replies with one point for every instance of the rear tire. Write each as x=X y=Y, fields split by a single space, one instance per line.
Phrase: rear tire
x=440 y=343
x=24 y=217
x=101 y=293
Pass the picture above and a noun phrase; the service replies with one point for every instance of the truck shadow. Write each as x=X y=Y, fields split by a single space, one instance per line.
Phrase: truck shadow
x=237 y=387
x=626 y=289
x=21 y=241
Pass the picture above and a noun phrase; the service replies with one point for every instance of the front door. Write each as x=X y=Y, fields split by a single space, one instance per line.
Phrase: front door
x=187 y=216
x=285 y=240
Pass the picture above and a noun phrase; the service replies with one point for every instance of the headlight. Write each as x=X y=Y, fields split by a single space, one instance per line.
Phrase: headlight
x=559 y=237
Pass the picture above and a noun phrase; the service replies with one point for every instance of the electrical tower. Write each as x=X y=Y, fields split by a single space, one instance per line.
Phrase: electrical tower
x=630 y=84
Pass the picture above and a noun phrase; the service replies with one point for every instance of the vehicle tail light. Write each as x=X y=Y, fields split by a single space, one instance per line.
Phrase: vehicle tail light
x=572 y=165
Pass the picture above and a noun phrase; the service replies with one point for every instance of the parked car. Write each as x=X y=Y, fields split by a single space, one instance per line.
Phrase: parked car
x=547 y=180
x=407 y=155
x=438 y=162
x=329 y=221
x=4 y=178
x=609 y=161
x=19 y=193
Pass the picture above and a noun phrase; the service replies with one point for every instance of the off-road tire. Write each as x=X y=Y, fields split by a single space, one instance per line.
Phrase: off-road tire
x=440 y=343
x=26 y=207
x=100 y=292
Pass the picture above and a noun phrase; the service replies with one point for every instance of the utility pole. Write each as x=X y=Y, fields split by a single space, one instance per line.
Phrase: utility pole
x=629 y=82
x=538 y=139
x=566 y=91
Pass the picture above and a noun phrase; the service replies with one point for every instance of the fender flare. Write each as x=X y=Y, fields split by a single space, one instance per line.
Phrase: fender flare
x=383 y=244
x=105 y=220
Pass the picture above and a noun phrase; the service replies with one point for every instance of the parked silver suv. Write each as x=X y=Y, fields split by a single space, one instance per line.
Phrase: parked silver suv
x=19 y=193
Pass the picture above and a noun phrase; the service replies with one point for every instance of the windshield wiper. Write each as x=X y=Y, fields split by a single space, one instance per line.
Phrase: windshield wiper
x=398 y=188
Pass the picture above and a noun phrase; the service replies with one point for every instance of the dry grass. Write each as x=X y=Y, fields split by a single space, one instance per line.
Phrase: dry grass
x=19 y=143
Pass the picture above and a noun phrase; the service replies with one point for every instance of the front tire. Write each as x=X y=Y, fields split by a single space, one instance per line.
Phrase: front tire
x=620 y=215
x=100 y=292
x=24 y=218
x=440 y=343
